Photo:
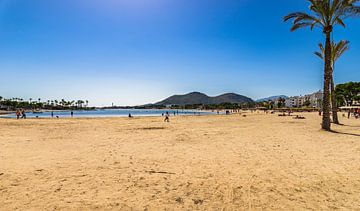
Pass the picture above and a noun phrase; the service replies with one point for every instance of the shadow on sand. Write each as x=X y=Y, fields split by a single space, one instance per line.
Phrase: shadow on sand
x=343 y=133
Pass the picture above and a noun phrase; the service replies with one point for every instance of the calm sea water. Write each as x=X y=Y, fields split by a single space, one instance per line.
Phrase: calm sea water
x=113 y=113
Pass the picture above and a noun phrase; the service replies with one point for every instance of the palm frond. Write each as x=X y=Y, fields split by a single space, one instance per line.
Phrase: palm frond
x=320 y=55
x=337 y=50
x=299 y=25
x=325 y=14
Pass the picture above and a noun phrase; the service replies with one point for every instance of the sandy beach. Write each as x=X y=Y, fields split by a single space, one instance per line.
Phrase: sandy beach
x=257 y=162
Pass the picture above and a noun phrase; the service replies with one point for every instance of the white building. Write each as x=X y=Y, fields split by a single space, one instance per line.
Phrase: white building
x=291 y=102
x=314 y=100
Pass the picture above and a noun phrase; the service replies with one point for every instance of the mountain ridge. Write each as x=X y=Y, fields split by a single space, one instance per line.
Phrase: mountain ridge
x=194 y=98
x=272 y=98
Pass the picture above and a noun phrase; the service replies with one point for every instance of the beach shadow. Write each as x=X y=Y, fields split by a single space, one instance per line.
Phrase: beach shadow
x=350 y=125
x=152 y=128
x=343 y=133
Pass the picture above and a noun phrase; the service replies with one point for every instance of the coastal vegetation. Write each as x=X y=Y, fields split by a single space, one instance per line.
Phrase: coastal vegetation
x=348 y=93
x=325 y=14
x=19 y=103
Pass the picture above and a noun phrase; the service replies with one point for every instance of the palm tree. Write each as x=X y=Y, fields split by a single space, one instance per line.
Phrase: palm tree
x=337 y=49
x=63 y=102
x=80 y=103
x=325 y=14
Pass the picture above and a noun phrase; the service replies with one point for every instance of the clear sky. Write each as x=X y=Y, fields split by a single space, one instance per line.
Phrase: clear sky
x=131 y=52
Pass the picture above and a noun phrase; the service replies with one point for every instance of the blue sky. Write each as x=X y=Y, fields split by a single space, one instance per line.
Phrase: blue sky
x=141 y=51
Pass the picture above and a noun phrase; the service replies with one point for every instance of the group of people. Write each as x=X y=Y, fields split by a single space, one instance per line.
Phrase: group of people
x=20 y=113
x=167 y=116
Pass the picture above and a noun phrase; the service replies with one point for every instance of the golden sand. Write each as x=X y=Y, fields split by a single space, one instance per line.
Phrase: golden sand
x=261 y=161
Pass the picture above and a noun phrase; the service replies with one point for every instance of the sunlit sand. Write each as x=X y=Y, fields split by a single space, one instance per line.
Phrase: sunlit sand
x=261 y=161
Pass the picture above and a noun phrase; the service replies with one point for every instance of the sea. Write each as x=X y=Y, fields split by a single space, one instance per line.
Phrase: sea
x=111 y=113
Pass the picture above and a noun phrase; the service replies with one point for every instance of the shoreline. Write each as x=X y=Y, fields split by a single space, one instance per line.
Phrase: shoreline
x=112 y=113
x=6 y=112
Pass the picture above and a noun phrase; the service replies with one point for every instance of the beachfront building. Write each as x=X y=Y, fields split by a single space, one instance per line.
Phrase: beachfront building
x=311 y=100
x=291 y=102
x=315 y=99
x=295 y=102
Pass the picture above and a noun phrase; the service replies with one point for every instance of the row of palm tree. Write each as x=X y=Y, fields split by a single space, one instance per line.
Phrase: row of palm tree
x=325 y=14
x=19 y=102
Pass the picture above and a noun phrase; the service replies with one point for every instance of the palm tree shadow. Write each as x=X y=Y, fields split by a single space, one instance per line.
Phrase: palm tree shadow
x=350 y=125
x=343 y=133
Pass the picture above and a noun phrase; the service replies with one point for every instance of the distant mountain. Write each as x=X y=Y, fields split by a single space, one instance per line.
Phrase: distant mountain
x=272 y=98
x=200 y=98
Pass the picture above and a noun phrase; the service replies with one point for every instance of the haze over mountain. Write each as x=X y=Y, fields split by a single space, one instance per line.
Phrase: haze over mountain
x=272 y=98
x=200 y=98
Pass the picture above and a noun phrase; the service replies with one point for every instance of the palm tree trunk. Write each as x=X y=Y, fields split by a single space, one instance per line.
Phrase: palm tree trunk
x=327 y=78
x=333 y=101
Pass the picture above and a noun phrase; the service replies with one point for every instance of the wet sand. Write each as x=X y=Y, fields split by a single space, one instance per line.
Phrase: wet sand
x=261 y=161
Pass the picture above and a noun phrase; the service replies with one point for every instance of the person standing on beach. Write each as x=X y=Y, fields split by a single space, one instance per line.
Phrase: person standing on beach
x=72 y=113
x=167 y=118
x=18 y=114
x=52 y=114
x=23 y=114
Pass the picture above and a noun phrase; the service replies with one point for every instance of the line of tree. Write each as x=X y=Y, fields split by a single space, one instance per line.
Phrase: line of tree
x=347 y=94
x=325 y=14
x=278 y=103
x=19 y=103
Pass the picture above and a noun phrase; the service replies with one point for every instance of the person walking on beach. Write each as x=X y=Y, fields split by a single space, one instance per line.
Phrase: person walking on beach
x=23 y=114
x=167 y=118
x=72 y=113
x=18 y=113
x=52 y=114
